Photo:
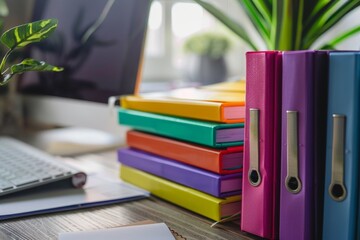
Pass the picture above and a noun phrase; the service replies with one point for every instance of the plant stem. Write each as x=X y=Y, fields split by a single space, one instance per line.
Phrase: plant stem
x=275 y=25
x=298 y=26
x=285 y=32
x=3 y=61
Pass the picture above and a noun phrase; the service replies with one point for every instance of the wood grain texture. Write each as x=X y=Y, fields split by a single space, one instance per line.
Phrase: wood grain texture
x=186 y=223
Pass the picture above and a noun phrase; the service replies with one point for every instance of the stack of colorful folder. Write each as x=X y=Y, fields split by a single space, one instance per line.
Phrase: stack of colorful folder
x=301 y=153
x=186 y=146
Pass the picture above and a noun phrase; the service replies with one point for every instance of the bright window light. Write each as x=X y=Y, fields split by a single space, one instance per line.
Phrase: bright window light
x=186 y=19
x=156 y=15
x=155 y=35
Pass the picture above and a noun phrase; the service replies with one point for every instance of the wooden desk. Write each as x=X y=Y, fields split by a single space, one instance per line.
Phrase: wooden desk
x=186 y=223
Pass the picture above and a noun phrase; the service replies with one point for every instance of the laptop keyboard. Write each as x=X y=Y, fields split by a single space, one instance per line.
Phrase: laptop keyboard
x=23 y=166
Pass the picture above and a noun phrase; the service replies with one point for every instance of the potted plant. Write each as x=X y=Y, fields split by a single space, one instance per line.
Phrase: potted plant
x=13 y=40
x=206 y=64
x=19 y=37
x=288 y=24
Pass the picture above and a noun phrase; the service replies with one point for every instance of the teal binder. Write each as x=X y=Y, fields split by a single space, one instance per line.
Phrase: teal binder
x=341 y=196
x=211 y=134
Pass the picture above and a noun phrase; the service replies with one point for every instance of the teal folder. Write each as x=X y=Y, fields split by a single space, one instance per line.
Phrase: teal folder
x=341 y=196
x=210 y=134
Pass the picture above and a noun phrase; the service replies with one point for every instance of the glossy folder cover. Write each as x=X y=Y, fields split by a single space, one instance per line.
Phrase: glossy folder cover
x=262 y=144
x=205 y=181
x=211 y=134
x=341 y=205
x=221 y=161
x=191 y=199
x=302 y=158
x=226 y=112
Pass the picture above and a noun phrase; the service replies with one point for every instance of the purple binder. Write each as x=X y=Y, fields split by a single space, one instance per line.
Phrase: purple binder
x=208 y=182
x=303 y=121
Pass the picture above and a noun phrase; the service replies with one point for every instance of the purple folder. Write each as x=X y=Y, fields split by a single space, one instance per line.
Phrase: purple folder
x=208 y=182
x=302 y=157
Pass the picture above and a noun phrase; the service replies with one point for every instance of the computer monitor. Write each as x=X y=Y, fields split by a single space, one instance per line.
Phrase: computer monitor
x=100 y=45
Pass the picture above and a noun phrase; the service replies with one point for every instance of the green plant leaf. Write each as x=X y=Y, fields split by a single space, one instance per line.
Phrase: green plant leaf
x=334 y=18
x=264 y=8
x=27 y=65
x=327 y=47
x=289 y=24
x=285 y=23
x=33 y=65
x=312 y=7
x=342 y=37
x=298 y=15
x=319 y=16
x=227 y=21
x=25 y=34
x=287 y=32
x=257 y=20
x=276 y=23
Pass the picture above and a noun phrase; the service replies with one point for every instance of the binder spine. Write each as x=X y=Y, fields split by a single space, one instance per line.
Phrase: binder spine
x=341 y=194
x=261 y=149
x=296 y=192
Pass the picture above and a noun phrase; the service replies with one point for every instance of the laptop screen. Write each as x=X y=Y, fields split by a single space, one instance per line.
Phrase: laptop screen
x=98 y=43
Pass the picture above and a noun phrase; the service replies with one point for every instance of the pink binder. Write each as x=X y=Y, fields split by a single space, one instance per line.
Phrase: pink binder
x=260 y=198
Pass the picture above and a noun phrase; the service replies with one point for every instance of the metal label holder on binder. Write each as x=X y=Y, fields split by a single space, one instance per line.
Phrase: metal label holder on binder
x=337 y=189
x=292 y=181
x=254 y=173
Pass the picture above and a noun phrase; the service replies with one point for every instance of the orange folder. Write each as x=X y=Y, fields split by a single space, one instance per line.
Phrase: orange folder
x=222 y=161
x=223 y=102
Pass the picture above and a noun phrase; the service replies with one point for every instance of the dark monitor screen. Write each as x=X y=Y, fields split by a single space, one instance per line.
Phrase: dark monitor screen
x=99 y=43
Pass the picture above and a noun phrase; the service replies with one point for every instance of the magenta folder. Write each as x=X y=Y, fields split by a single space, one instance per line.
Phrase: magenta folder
x=260 y=199
x=303 y=144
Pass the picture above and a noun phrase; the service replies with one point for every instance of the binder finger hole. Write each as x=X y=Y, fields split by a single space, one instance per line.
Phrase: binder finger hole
x=293 y=184
x=254 y=177
x=337 y=191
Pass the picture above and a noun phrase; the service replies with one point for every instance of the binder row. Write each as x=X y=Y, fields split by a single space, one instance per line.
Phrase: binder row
x=301 y=152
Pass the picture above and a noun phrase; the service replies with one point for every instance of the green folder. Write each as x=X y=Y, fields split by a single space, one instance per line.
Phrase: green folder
x=216 y=135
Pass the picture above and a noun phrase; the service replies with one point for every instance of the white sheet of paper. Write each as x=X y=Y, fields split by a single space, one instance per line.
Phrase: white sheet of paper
x=96 y=190
x=156 y=231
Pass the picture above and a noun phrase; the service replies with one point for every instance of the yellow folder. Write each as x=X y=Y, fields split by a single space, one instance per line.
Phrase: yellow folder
x=191 y=199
